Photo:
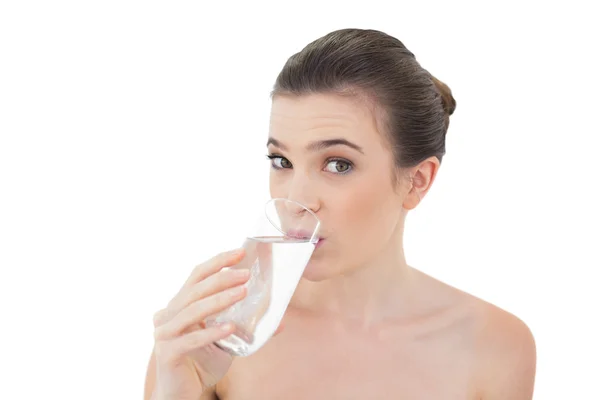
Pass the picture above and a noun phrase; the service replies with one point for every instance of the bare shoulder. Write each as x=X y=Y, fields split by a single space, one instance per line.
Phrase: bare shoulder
x=506 y=354
x=501 y=331
x=504 y=346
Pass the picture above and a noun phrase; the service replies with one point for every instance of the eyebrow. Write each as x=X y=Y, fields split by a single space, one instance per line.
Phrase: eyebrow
x=319 y=145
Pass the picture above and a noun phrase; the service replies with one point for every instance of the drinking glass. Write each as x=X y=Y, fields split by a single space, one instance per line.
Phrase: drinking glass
x=277 y=252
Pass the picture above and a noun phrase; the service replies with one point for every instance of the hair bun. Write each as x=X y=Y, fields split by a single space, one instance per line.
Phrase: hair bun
x=448 y=100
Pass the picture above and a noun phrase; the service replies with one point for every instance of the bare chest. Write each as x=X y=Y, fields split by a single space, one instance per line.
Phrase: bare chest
x=383 y=365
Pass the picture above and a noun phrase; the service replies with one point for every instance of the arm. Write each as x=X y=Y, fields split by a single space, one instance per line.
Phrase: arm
x=508 y=359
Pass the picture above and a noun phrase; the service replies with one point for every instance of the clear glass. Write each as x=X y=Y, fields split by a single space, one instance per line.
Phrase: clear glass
x=277 y=252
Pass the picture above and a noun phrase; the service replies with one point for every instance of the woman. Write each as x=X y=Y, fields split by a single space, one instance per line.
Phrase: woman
x=357 y=134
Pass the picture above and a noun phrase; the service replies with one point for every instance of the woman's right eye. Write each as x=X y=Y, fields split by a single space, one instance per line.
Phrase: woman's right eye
x=279 y=162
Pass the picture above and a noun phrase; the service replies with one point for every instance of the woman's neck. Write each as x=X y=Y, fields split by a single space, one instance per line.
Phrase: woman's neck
x=368 y=295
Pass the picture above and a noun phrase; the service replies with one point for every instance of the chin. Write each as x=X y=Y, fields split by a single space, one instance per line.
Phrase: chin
x=316 y=271
x=321 y=269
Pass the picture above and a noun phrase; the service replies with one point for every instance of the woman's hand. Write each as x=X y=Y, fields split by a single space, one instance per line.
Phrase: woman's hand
x=187 y=362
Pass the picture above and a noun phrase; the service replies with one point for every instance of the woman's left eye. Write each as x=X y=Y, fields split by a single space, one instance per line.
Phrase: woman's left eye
x=338 y=166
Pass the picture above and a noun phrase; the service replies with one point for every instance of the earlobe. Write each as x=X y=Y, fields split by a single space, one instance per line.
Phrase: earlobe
x=420 y=181
x=414 y=195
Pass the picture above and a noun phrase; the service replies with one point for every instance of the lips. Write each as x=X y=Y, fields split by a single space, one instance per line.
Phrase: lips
x=302 y=234
x=299 y=234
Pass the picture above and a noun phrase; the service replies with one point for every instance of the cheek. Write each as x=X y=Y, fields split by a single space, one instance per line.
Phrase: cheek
x=276 y=186
x=369 y=212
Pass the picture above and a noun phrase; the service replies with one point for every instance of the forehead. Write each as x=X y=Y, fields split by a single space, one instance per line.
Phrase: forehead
x=322 y=116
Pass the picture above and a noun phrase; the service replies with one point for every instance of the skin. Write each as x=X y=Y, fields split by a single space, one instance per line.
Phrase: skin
x=362 y=322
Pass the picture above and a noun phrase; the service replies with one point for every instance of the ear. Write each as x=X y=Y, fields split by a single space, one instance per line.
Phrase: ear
x=420 y=178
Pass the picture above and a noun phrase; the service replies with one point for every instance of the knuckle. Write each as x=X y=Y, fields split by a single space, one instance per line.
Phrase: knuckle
x=160 y=333
x=157 y=318
x=170 y=303
x=198 y=269
x=195 y=272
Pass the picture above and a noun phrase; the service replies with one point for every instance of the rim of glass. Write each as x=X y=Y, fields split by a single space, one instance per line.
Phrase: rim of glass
x=314 y=237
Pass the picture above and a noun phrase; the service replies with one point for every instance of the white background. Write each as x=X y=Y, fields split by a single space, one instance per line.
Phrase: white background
x=132 y=148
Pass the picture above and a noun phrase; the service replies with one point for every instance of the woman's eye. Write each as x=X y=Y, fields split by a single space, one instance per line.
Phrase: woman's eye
x=338 y=166
x=280 y=162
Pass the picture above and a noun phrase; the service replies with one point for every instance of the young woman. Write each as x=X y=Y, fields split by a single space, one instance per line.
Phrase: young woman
x=357 y=134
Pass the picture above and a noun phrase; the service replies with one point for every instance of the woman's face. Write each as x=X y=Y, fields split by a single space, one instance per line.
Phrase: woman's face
x=328 y=154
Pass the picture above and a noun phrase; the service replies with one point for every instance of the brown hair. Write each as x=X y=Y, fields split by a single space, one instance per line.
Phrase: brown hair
x=416 y=106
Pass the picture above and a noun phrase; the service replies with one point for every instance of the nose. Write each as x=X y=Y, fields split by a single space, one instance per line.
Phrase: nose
x=302 y=193
x=296 y=208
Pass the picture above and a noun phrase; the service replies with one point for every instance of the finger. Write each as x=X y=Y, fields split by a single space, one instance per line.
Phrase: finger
x=196 y=312
x=207 y=268
x=213 y=265
x=215 y=283
x=181 y=345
